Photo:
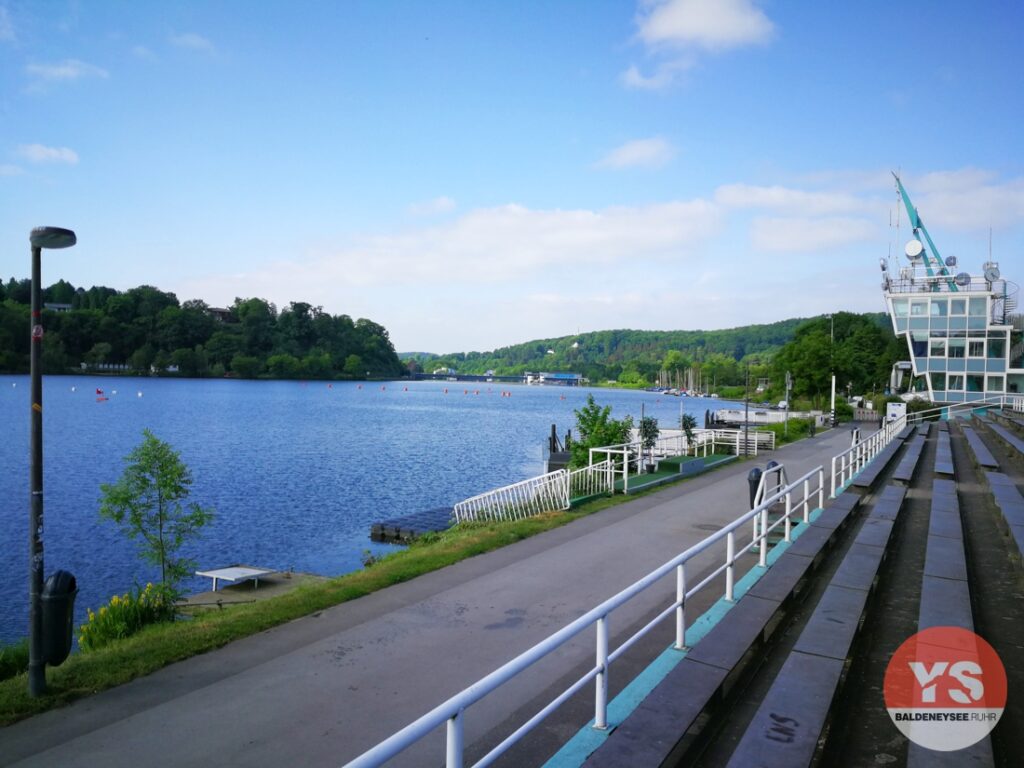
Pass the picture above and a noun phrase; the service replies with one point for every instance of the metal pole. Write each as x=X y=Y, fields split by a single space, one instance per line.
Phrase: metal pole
x=601 y=681
x=36 y=665
x=747 y=410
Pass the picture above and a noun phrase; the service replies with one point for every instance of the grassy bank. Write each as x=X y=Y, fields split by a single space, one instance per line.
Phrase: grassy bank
x=159 y=645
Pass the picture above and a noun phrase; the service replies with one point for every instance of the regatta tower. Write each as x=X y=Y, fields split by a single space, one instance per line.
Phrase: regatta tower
x=962 y=330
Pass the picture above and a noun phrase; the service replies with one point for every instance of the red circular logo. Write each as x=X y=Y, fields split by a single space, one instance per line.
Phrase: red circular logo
x=945 y=688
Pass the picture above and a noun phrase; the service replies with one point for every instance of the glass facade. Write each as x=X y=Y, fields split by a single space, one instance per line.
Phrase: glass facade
x=953 y=344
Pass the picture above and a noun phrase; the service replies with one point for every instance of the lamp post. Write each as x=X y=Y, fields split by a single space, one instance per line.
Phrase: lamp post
x=40 y=237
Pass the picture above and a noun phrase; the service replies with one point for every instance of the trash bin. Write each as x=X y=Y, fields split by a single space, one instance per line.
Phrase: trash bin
x=58 y=601
x=753 y=480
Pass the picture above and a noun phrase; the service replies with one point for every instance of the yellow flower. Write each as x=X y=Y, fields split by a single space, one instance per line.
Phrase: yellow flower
x=114 y=600
x=103 y=610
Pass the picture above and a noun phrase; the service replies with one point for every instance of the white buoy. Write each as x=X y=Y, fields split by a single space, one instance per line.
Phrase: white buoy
x=73 y=389
x=140 y=394
x=113 y=392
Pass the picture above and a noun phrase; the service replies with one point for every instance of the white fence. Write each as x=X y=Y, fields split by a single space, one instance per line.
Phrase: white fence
x=592 y=480
x=855 y=458
x=454 y=711
x=547 y=493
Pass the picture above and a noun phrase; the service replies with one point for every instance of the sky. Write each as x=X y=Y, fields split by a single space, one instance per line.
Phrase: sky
x=482 y=173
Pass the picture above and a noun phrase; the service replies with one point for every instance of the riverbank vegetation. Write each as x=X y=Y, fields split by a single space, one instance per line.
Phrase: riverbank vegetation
x=148 y=331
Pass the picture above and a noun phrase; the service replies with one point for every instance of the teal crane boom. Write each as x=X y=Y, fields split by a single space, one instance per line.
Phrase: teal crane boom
x=918 y=226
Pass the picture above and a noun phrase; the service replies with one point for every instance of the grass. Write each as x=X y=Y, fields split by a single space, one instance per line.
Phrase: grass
x=158 y=645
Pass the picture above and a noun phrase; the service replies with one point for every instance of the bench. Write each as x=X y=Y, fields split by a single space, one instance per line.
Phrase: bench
x=1010 y=504
x=946 y=602
x=788 y=725
x=667 y=722
x=1007 y=437
x=235 y=574
x=868 y=477
x=944 y=452
x=981 y=452
x=904 y=473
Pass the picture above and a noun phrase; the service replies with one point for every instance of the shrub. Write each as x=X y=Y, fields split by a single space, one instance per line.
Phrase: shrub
x=13 y=659
x=125 y=615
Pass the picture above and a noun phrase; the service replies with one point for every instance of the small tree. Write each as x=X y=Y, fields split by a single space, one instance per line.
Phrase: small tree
x=148 y=502
x=687 y=423
x=597 y=428
x=648 y=433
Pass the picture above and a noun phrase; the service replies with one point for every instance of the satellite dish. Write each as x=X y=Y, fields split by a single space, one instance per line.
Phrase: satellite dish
x=951 y=261
x=992 y=273
x=914 y=249
x=962 y=279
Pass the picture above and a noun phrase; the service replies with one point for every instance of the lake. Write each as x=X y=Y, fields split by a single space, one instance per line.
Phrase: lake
x=295 y=471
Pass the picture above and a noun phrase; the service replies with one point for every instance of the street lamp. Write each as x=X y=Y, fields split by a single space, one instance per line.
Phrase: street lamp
x=40 y=237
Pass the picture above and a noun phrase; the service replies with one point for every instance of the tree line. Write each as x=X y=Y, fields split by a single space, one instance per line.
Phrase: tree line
x=859 y=348
x=146 y=330
x=626 y=356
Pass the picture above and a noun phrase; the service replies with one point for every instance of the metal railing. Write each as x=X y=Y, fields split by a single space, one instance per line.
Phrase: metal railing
x=851 y=461
x=546 y=493
x=453 y=711
x=592 y=480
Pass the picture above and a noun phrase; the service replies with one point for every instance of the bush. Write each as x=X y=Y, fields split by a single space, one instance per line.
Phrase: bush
x=125 y=615
x=798 y=428
x=13 y=659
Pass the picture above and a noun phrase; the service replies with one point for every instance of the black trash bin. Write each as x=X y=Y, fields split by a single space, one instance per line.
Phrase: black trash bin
x=58 y=601
x=753 y=481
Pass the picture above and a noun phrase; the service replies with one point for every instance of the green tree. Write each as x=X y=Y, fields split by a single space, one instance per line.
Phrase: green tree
x=149 y=504
x=595 y=428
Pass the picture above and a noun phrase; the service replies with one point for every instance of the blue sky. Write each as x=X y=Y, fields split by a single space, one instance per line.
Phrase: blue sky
x=476 y=174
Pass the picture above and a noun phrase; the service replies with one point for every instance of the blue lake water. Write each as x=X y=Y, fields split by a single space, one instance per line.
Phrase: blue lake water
x=296 y=472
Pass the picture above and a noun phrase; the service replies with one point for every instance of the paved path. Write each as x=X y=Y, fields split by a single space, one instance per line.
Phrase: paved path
x=321 y=690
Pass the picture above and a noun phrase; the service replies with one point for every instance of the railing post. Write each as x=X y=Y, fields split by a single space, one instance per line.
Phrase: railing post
x=681 y=608
x=763 y=560
x=601 y=683
x=821 y=487
x=454 y=756
x=730 y=554
x=789 y=509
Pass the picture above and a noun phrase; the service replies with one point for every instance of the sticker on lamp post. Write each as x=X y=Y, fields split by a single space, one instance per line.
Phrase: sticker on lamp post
x=37 y=332
x=945 y=688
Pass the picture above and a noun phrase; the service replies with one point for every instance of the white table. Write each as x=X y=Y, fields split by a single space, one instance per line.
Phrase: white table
x=235 y=574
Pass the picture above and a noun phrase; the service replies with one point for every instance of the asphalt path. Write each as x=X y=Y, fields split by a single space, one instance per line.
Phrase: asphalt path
x=320 y=690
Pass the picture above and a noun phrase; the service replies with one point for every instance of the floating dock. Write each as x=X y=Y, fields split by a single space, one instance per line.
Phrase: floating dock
x=408 y=527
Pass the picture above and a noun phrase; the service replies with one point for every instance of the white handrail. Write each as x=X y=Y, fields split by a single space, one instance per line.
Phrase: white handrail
x=546 y=493
x=851 y=461
x=454 y=709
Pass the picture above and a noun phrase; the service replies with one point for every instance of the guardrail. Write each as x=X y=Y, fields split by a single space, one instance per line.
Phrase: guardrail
x=592 y=480
x=851 y=461
x=453 y=711
x=546 y=493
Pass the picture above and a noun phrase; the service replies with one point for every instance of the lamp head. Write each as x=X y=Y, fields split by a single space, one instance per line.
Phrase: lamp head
x=52 y=237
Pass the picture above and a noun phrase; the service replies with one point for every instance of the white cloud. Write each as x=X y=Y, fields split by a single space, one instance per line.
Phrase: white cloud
x=10 y=170
x=708 y=24
x=790 y=201
x=798 y=234
x=485 y=247
x=192 y=41
x=67 y=70
x=967 y=200
x=664 y=75
x=6 y=27
x=640 y=153
x=142 y=52
x=438 y=205
x=38 y=153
